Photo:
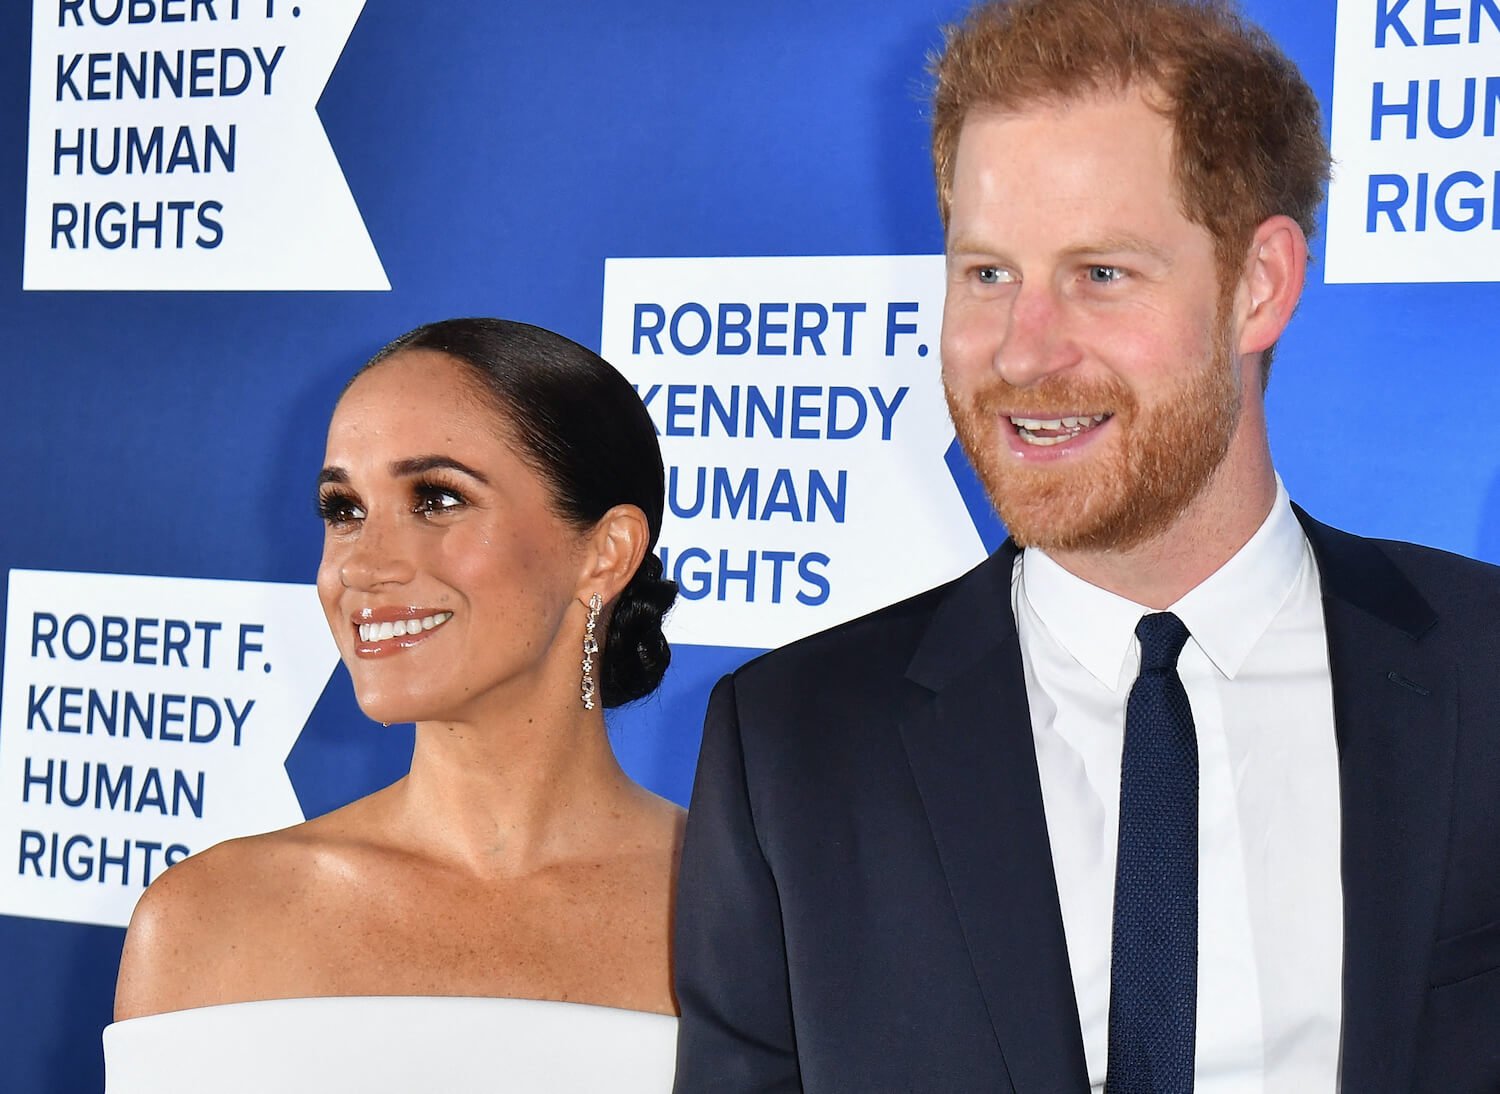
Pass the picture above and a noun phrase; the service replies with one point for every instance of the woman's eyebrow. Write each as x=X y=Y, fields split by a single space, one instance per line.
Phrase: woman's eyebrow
x=417 y=465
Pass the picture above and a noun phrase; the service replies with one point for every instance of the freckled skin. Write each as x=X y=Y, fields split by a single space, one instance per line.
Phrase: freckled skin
x=325 y=909
x=516 y=858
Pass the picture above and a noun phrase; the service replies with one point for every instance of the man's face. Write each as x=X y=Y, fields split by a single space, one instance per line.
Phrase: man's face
x=1088 y=371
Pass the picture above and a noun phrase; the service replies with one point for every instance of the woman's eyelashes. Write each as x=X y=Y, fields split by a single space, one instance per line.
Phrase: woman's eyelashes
x=338 y=507
x=431 y=497
x=428 y=498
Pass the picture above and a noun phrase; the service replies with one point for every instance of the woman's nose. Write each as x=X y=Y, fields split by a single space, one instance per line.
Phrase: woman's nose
x=376 y=555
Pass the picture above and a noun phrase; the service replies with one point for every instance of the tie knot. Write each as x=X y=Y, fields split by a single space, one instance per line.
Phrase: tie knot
x=1162 y=637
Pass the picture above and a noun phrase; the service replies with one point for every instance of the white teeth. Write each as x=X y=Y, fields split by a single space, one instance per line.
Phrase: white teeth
x=1030 y=429
x=379 y=632
x=1058 y=423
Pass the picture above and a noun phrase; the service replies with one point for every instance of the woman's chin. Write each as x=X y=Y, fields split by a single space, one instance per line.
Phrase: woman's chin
x=391 y=710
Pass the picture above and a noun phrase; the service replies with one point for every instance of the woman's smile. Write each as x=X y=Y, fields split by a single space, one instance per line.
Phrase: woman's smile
x=384 y=631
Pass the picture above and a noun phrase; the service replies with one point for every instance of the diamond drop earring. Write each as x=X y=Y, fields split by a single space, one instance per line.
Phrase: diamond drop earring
x=590 y=647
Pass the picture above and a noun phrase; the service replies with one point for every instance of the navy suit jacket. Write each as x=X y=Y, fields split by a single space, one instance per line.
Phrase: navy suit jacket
x=867 y=899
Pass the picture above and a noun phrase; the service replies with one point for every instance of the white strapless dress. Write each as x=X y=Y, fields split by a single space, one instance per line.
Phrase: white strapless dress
x=385 y=1045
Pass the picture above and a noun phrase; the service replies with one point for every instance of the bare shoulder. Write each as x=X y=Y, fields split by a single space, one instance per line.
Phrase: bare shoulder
x=659 y=824
x=668 y=813
x=199 y=931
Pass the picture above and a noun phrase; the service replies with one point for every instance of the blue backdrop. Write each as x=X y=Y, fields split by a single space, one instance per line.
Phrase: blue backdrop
x=499 y=154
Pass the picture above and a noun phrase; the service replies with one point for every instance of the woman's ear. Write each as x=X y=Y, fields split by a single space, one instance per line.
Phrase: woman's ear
x=613 y=552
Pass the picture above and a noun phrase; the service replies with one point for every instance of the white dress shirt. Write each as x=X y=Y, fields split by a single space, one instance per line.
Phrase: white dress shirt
x=1270 y=903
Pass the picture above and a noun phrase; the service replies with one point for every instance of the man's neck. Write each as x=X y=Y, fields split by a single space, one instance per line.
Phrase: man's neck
x=1208 y=533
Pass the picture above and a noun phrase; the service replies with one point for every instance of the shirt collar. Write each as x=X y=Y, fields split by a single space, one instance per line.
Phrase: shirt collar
x=1226 y=614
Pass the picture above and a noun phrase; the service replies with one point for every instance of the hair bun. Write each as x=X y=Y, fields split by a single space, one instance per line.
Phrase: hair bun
x=636 y=654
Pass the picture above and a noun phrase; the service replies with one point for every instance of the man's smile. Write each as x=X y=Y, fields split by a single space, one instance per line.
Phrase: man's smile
x=1050 y=431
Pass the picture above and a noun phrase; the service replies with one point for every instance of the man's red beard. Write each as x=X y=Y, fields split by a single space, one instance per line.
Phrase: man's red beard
x=1125 y=494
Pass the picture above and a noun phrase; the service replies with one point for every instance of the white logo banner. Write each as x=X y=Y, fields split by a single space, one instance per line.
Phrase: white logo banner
x=1415 y=195
x=143 y=719
x=801 y=418
x=175 y=144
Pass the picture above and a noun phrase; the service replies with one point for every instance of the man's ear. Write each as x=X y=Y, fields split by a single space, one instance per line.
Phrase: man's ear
x=1270 y=283
x=613 y=552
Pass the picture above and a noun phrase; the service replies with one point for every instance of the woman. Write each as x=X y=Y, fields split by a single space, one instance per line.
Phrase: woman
x=491 y=495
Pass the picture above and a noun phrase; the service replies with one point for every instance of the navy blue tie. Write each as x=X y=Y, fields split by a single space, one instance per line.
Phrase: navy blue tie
x=1153 y=975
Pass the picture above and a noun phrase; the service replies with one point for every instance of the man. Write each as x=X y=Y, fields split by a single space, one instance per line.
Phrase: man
x=1180 y=789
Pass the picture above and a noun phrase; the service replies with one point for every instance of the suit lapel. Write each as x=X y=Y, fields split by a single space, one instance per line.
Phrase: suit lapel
x=1395 y=713
x=971 y=752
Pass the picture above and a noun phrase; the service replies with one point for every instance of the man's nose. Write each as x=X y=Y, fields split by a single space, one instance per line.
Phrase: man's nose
x=1037 y=341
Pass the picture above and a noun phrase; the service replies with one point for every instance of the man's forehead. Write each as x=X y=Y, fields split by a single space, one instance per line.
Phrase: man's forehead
x=1107 y=185
x=1117 y=132
x=1057 y=104
x=1091 y=150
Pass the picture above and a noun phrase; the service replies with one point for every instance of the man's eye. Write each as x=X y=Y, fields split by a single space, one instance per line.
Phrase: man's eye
x=1104 y=275
x=991 y=275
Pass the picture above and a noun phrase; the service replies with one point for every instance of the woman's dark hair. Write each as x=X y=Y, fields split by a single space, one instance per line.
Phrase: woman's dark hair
x=583 y=428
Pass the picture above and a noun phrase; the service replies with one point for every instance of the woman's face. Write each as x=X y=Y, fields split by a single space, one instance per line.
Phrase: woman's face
x=446 y=576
